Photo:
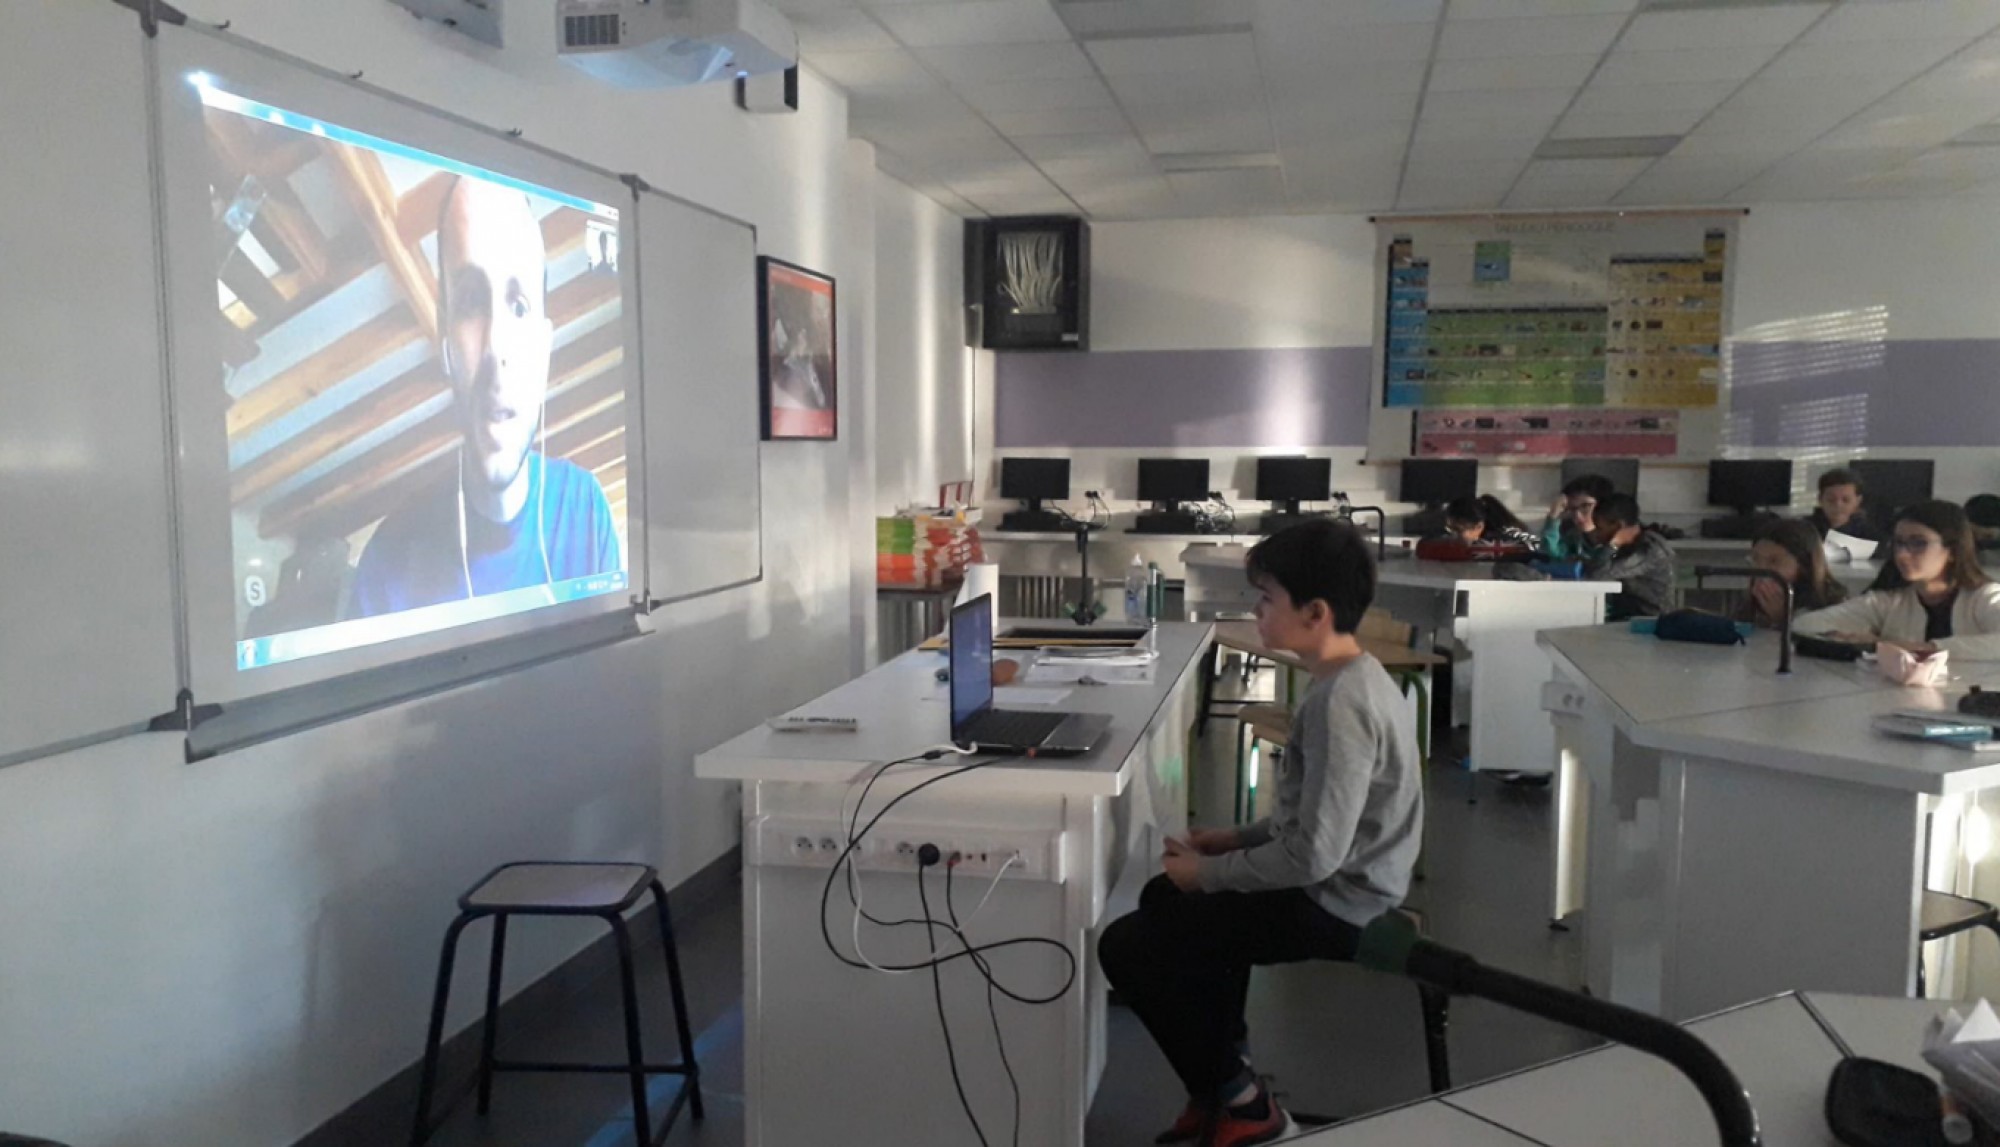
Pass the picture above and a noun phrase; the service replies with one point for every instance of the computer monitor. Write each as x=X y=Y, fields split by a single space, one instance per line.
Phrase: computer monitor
x=1288 y=481
x=1889 y=484
x=1033 y=480
x=1170 y=481
x=1622 y=473
x=1431 y=482
x=1745 y=485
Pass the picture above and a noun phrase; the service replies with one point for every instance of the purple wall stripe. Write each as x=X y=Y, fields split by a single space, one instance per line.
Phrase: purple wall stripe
x=1312 y=396
x=1903 y=393
x=1914 y=392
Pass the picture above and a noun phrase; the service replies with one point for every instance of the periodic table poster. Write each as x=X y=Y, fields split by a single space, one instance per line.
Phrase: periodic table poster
x=1553 y=335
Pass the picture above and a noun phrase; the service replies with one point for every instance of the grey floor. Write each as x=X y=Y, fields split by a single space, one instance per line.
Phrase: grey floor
x=1336 y=1041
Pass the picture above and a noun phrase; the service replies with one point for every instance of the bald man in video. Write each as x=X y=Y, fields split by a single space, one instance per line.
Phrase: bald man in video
x=506 y=517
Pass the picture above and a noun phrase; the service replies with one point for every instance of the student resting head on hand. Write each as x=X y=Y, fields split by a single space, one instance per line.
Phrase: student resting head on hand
x=1932 y=595
x=1791 y=549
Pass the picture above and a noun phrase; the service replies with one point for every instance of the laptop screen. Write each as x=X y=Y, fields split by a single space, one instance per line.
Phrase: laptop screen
x=971 y=660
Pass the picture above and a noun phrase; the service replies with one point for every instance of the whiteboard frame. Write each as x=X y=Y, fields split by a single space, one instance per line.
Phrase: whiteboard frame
x=199 y=440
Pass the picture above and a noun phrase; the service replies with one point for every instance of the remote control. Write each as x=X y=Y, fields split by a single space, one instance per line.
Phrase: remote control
x=813 y=724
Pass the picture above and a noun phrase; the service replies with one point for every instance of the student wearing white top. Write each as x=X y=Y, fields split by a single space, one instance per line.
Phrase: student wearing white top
x=1932 y=596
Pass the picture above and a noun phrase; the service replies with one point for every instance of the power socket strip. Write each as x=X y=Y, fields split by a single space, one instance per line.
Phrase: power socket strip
x=799 y=843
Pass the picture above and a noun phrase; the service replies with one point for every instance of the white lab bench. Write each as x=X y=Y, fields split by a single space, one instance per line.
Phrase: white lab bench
x=1745 y=832
x=839 y=1055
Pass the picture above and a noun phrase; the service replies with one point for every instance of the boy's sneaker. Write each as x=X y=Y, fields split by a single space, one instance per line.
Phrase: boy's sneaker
x=1259 y=1121
x=1193 y=1121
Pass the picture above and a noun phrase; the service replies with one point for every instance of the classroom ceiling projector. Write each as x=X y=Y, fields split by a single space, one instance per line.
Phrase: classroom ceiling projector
x=672 y=43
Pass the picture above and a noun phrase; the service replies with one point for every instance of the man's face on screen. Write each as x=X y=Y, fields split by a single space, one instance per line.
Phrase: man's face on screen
x=494 y=324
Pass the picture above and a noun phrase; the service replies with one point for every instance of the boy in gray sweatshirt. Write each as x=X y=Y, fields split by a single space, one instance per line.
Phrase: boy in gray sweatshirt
x=1335 y=853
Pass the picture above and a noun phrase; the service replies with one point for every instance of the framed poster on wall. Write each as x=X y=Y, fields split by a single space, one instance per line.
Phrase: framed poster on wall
x=797 y=352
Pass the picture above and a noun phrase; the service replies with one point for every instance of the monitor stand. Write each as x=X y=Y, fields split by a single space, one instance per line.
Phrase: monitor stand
x=1032 y=519
x=1166 y=518
x=1740 y=526
x=1284 y=515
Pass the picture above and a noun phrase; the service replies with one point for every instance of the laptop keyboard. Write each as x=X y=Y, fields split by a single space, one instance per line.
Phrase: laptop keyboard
x=1014 y=727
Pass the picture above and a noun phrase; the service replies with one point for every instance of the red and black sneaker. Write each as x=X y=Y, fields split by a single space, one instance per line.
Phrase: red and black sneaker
x=1194 y=1120
x=1260 y=1120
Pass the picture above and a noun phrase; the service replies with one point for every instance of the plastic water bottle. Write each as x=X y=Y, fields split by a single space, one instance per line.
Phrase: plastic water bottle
x=1136 y=585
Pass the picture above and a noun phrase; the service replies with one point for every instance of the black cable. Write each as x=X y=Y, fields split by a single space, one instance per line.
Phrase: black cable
x=846 y=859
x=944 y=1023
x=992 y=997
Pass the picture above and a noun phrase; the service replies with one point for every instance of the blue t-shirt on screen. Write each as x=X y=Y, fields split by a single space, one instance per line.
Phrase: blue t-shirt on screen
x=413 y=560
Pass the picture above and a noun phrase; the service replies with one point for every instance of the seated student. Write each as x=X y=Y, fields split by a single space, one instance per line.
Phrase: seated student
x=1840 y=497
x=1791 y=549
x=1934 y=595
x=1626 y=551
x=1335 y=854
x=1486 y=519
x=1566 y=530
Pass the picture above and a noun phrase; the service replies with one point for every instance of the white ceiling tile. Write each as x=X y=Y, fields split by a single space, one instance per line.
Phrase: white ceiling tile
x=1127 y=16
x=997 y=63
x=1429 y=149
x=1036 y=96
x=930 y=167
x=1547 y=36
x=1438 y=130
x=1318 y=79
x=1854 y=92
x=1175 y=55
x=1002 y=205
x=1069 y=121
x=1722 y=27
x=1790 y=118
x=1654 y=121
x=1529 y=9
x=1689 y=181
x=1710 y=141
x=1464 y=185
x=1511 y=72
x=1383 y=139
x=1598 y=99
x=1922 y=128
x=806 y=7
x=1186 y=87
x=1128 y=199
x=1903 y=58
x=972 y=22
x=1980 y=163
x=841 y=30
x=1196 y=129
x=1877 y=21
x=946 y=198
x=1222 y=192
x=1349 y=13
x=1515 y=103
x=1585 y=172
x=1109 y=165
x=1022 y=181
x=913 y=115
x=1685 y=66
x=1298 y=44
x=1064 y=147
x=872 y=71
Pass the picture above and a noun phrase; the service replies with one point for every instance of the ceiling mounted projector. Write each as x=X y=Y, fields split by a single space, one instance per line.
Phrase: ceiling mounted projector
x=479 y=19
x=668 y=43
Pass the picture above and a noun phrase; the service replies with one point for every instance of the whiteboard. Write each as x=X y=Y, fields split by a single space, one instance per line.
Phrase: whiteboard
x=698 y=346
x=87 y=620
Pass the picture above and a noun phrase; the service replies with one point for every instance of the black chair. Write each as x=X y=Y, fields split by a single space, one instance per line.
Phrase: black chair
x=1944 y=914
x=564 y=888
x=1434 y=1004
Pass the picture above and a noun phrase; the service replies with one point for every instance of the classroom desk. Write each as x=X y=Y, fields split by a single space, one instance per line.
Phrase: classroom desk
x=1744 y=831
x=1493 y=620
x=838 y=1055
x=1782 y=1049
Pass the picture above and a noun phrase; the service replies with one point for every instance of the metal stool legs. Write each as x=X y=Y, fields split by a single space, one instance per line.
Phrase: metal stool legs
x=491 y=1033
x=679 y=993
x=1437 y=1024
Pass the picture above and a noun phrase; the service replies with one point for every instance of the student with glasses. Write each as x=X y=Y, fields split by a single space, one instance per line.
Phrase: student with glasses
x=1933 y=595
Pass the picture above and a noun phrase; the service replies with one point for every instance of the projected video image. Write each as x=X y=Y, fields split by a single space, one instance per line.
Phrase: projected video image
x=425 y=368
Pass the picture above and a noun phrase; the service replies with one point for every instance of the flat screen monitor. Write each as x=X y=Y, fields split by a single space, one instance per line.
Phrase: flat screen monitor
x=1622 y=473
x=1293 y=480
x=1889 y=484
x=1746 y=484
x=1173 y=479
x=1034 y=479
x=1435 y=481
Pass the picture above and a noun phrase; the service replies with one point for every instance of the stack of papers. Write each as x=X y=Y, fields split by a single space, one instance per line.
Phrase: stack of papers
x=1842 y=548
x=1965 y=1050
x=1093 y=666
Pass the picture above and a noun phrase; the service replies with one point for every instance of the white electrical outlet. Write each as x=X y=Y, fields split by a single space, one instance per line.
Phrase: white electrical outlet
x=799 y=843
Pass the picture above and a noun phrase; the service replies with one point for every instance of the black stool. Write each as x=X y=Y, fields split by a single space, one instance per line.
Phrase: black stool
x=1944 y=914
x=1435 y=1004
x=564 y=888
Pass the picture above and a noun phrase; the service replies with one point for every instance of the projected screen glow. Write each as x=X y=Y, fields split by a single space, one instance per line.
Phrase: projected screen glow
x=425 y=367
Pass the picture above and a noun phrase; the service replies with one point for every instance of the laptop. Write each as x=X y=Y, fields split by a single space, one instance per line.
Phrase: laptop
x=974 y=720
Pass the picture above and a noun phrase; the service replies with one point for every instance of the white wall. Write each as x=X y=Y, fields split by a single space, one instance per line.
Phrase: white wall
x=229 y=953
x=1858 y=270
x=923 y=413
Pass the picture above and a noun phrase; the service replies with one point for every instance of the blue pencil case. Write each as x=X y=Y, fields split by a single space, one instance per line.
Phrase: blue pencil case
x=1651 y=626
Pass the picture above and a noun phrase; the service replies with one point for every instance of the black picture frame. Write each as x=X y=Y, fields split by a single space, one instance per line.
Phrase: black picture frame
x=798 y=381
